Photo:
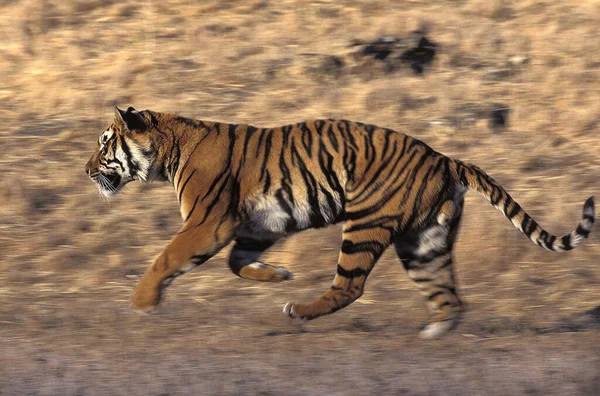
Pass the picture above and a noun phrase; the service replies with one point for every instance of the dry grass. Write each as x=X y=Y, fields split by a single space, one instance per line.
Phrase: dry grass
x=69 y=259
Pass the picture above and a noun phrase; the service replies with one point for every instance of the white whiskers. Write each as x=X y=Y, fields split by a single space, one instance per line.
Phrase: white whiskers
x=106 y=187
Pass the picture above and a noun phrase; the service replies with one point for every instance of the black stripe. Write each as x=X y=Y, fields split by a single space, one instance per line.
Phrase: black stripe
x=286 y=134
x=409 y=181
x=268 y=142
x=448 y=185
x=132 y=167
x=114 y=161
x=331 y=202
x=350 y=163
x=514 y=210
x=527 y=225
x=349 y=135
x=386 y=141
x=316 y=218
x=495 y=196
x=421 y=280
x=414 y=170
x=307 y=140
x=450 y=288
x=367 y=148
x=260 y=139
x=286 y=183
x=193 y=207
x=542 y=238
x=550 y=242
x=252 y=245
x=184 y=184
x=424 y=183
x=385 y=222
x=462 y=173
x=249 y=132
x=373 y=247
x=355 y=273
x=414 y=214
x=383 y=200
x=226 y=172
x=484 y=186
x=349 y=158
x=174 y=159
x=319 y=124
x=200 y=258
x=113 y=140
x=235 y=196
x=326 y=164
x=566 y=242
x=332 y=137
x=383 y=165
x=215 y=200
x=190 y=155
x=267 y=184
x=446 y=263
x=291 y=223
x=507 y=203
x=372 y=182
x=582 y=231
x=217 y=126
x=434 y=295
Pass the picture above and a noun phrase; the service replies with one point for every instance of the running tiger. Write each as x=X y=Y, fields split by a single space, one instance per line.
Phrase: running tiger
x=257 y=185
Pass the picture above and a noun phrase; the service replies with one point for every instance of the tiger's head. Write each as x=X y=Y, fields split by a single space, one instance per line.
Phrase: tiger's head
x=124 y=152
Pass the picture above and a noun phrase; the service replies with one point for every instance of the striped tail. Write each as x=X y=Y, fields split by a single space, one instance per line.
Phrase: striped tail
x=477 y=180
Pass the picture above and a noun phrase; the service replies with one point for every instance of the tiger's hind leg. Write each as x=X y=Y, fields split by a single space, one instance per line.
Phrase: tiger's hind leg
x=428 y=258
x=435 y=280
x=362 y=246
x=243 y=261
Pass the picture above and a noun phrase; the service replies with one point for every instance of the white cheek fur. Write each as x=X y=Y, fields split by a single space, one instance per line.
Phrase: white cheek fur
x=138 y=158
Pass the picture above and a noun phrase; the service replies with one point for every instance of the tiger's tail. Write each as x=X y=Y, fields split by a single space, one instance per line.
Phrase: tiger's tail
x=477 y=180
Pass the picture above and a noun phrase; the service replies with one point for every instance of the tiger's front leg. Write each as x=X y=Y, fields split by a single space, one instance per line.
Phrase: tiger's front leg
x=193 y=245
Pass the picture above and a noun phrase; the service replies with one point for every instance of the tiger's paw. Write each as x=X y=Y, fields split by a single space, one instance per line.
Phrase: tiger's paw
x=288 y=310
x=145 y=302
x=437 y=329
x=265 y=272
x=297 y=311
x=281 y=274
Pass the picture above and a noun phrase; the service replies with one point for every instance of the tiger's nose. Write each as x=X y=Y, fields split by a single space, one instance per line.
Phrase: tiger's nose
x=88 y=169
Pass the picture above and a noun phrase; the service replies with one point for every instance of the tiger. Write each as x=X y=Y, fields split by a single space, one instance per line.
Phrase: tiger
x=255 y=186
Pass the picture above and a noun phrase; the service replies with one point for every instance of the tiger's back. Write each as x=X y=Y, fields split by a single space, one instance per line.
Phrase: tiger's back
x=256 y=185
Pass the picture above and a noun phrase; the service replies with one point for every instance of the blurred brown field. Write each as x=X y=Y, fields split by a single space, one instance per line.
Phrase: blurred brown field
x=69 y=259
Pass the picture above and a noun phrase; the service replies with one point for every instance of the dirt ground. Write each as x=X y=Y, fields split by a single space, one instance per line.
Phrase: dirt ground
x=69 y=259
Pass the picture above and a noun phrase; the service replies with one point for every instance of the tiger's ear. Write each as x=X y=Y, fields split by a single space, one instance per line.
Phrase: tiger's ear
x=130 y=119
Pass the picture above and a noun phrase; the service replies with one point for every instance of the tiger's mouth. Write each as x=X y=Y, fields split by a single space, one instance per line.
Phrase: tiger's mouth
x=114 y=180
x=109 y=183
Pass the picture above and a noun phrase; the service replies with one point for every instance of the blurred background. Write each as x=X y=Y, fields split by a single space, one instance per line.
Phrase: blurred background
x=513 y=86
